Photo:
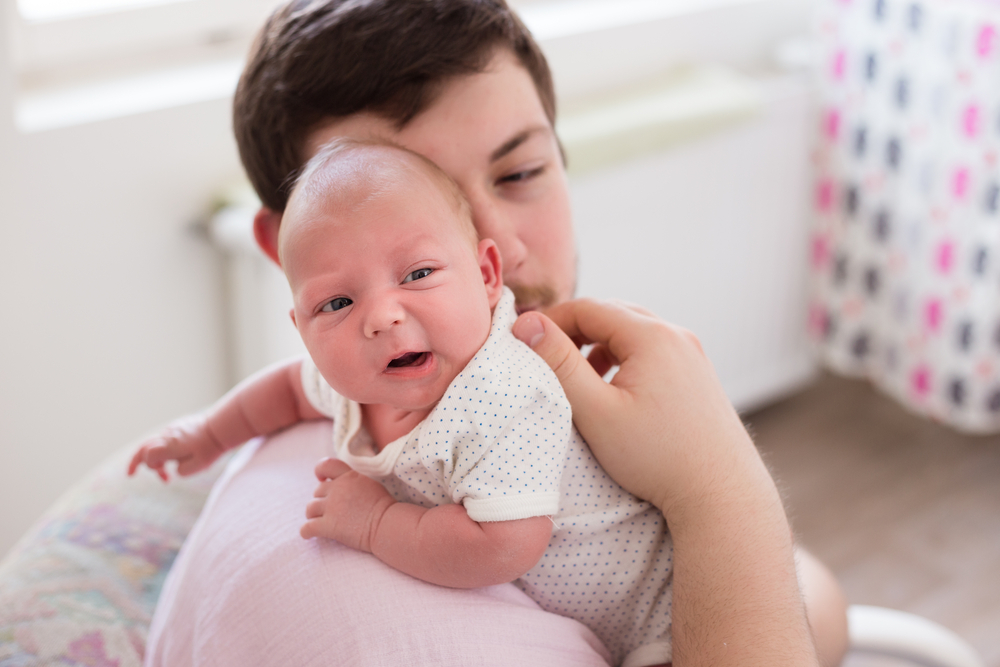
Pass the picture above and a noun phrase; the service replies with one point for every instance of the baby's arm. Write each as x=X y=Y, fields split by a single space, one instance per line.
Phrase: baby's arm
x=441 y=545
x=263 y=403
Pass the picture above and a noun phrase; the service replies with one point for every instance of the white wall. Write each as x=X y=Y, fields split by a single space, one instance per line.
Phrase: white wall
x=713 y=235
x=112 y=311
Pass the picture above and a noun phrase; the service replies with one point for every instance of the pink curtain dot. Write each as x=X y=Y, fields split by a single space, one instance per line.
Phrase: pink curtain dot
x=817 y=321
x=970 y=121
x=945 y=256
x=839 y=59
x=824 y=195
x=933 y=315
x=832 y=124
x=985 y=39
x=920 y=380
x=820 y=251
x=960 y=183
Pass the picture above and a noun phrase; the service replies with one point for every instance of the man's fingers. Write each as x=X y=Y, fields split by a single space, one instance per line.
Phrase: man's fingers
x=601 y=360
x=634 y=307
x=331 y=469
x=583 y=386
x=601 y=322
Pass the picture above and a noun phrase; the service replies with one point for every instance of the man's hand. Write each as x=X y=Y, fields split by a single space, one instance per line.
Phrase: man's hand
x=187 y=441
x=348 y=506
x=663 y=428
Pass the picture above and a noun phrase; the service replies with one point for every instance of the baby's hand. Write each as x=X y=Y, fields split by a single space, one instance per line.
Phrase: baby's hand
x=186 y=441
x=348 y=506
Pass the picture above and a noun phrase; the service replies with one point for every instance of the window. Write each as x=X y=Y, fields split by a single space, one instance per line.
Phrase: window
x=58 y=41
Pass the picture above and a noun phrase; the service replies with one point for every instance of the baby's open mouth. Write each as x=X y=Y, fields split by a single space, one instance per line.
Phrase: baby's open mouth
x=408 y=359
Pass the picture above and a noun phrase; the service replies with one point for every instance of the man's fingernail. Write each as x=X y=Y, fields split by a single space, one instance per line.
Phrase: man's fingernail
x=529 y=329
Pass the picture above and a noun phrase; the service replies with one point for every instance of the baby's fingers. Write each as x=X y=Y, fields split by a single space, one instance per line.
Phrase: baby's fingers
x=189 y=465
x=331 y=469
x=137 y=459
x=314 y=509
x=313 y=528
x=143 y=456
x=157 y=455
x=308 y=530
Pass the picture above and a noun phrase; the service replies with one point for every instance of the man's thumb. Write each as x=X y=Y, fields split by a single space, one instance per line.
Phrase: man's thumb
x=557 y=350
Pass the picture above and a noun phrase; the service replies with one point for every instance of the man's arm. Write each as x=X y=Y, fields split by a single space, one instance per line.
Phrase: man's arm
x=440 y=545
x=262 y=404
x=665 y=430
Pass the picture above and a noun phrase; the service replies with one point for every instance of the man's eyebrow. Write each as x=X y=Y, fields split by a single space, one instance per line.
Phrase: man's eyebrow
x=514 y=142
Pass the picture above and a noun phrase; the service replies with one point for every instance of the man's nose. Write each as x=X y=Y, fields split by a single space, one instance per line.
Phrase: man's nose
x=383 y=313
x=492 y=222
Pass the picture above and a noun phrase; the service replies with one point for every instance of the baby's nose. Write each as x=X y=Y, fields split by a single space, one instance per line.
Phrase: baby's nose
x=383 y=316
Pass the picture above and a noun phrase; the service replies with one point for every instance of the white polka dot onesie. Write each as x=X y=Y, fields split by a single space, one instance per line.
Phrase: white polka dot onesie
x=501 y=442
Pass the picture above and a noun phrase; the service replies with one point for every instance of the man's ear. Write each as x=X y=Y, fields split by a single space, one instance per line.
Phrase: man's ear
x=265 y=230
x=492 y=268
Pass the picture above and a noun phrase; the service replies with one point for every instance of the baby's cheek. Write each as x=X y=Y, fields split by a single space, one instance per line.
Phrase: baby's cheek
x=470 y=337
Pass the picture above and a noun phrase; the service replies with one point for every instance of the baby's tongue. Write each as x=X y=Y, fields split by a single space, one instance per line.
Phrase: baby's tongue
x=408 y=359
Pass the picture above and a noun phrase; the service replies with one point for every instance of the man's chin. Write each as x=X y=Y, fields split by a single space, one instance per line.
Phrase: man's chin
x=534 y=297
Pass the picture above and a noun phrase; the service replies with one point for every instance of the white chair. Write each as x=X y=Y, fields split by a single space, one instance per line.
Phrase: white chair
x=881 y=632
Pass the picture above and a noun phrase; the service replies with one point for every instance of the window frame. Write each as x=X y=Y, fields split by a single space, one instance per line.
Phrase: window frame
x=96 y=42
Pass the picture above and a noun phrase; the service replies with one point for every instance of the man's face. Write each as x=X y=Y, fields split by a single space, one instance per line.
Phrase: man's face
x=388 y=290
x=489 y=132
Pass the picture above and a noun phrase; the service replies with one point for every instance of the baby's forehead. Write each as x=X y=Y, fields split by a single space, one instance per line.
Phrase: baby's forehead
x=347 y=176
x=357 y=174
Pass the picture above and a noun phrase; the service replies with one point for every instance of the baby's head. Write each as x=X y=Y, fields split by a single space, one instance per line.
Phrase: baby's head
x=393 y=291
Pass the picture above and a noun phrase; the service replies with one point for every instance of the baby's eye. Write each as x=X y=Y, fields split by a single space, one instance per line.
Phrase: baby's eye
x=336 y=304
x=417 y=275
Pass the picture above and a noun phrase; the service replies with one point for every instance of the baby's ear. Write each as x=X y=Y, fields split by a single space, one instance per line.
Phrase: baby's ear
x=492 y=268
x=291 y=314
x=265 y=231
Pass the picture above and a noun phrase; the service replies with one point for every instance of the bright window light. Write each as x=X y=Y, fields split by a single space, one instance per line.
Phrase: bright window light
x=54 y=10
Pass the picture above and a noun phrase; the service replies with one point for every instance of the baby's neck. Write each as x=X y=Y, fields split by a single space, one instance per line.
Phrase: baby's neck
x=386 y=423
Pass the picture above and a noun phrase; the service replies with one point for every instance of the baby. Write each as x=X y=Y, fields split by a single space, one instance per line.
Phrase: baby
x=456 y=460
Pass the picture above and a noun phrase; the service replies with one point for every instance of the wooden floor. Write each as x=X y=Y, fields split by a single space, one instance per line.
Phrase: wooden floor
x=904 y=511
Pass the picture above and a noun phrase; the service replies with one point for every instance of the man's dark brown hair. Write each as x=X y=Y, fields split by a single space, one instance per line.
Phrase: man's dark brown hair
x=315 y=60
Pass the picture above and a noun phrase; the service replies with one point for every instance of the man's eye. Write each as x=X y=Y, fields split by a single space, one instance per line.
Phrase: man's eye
x=519 y=176
x=417 y=275
x=336 y=304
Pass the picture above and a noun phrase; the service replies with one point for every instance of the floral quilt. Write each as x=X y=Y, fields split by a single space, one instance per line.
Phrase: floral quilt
x=80 y=587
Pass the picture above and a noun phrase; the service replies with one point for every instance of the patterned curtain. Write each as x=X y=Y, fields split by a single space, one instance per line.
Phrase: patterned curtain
x=906 y=255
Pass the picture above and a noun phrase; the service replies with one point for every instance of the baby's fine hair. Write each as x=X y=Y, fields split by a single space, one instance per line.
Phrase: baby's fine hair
x=341 y=148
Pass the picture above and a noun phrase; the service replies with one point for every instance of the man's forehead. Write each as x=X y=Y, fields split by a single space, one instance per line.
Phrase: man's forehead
x=493 y=108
